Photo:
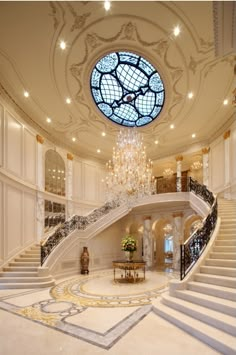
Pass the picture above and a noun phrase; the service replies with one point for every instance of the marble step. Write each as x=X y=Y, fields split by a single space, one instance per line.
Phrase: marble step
x=219 y=340
x=224 y=281
x=24 y=263
x=227 y=231
x=20 y=268
x=27 y=285
x=228 y=225
x=221 y=262
x=213 y=290
x=226 y=242
x=31 y=253
x=224 y=248
x=215 y=303
x=18 y=274
x=24 y=279
x=221 y=255
x=222 y=236
x=30 y=259
x=214 y=318
x=217 y=270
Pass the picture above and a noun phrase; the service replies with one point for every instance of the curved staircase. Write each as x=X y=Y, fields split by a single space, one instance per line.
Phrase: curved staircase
x=207 y=307
x=22 y=272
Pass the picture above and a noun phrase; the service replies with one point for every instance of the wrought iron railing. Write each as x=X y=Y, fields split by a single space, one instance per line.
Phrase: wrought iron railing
x=75 y=222
x=193 y=247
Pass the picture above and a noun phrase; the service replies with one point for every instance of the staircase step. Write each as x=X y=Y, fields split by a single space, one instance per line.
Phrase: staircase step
x=21 y=263
x=215 y=303
x=215 y=338
x=213 y=290
x=227 y=230
x=216 y=280
x=31 y=259
x=18 y=274
x=227 y=249
x=20 y=268
x=221 y=262
x=216 y=319
x=27 y=285
x=25 y=280
x=226 y=237
x=217 y=270
x=230 y=256
x=32 y=252
x=226 y=242
x=36 y=255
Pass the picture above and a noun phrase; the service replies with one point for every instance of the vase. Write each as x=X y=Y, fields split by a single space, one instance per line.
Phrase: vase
x=129 y=255
x=84 y=260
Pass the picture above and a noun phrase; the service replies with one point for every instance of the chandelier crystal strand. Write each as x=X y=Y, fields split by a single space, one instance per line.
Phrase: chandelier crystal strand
x=129 y=172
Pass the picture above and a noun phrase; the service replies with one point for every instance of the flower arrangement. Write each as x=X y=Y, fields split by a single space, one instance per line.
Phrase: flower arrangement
x=129 y=243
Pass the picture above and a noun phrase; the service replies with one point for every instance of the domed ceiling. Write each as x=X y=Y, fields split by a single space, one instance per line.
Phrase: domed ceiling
x=50 y=49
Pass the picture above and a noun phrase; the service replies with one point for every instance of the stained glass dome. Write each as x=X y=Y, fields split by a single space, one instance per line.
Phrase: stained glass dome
x=127 y=89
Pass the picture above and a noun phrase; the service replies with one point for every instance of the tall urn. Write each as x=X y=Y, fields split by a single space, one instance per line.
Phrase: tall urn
x=84 y=261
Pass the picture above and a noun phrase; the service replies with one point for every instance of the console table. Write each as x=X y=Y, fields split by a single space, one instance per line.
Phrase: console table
x=130 y=271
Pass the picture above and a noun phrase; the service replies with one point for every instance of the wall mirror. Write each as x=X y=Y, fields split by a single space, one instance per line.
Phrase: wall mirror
x=54 y=173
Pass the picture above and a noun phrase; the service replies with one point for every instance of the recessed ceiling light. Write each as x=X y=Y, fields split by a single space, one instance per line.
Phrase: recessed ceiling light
x=73 y=139
x=176 y=31
x=107 y=5
x=190 y=95
x=103 y=134
x=68 y=100
x=98 y=151
x=48 y=120
x=156 y=142
x=63 y=45
x=193 y=135
x=172 y=126
x=225 y=102
x=26 y=94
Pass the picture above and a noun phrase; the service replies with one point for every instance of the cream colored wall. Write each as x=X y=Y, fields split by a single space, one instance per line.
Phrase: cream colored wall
x=19 y=183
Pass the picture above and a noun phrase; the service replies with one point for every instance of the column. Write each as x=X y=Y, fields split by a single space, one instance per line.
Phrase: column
x=147 y=242
x=40 y=187
x=205 y=166
x=227 y=162
x=179 y=159
x=178 y=239
x=69 y=185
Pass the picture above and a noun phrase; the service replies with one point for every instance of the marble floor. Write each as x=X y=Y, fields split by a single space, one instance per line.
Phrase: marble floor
x=92 y=315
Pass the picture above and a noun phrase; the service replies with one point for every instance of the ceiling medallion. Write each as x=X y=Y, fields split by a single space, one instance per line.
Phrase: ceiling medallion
x=127 y=89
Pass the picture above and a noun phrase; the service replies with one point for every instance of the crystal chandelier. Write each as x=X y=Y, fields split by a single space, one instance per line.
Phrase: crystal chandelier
x=196 y=165
x=129 y=172
x=167 y=173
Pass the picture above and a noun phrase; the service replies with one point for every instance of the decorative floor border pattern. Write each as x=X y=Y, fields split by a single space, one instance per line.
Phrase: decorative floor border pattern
x=69 y=298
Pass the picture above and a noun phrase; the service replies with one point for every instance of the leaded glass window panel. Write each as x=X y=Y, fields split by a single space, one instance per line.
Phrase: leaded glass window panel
x=127 y=89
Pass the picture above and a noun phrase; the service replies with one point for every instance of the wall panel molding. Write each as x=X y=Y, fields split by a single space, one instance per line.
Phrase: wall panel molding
x=14 y=145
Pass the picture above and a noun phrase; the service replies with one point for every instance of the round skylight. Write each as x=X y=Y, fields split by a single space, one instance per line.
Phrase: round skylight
x=127 y=89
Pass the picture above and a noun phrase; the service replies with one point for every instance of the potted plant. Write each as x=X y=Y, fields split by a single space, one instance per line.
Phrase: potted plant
x=129 y=245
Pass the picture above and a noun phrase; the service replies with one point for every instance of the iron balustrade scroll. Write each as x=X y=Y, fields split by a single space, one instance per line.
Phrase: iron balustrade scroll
x=75 y=222
x=194 y=246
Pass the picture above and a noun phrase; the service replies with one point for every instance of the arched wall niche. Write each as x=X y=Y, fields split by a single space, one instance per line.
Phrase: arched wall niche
x=158 y=239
